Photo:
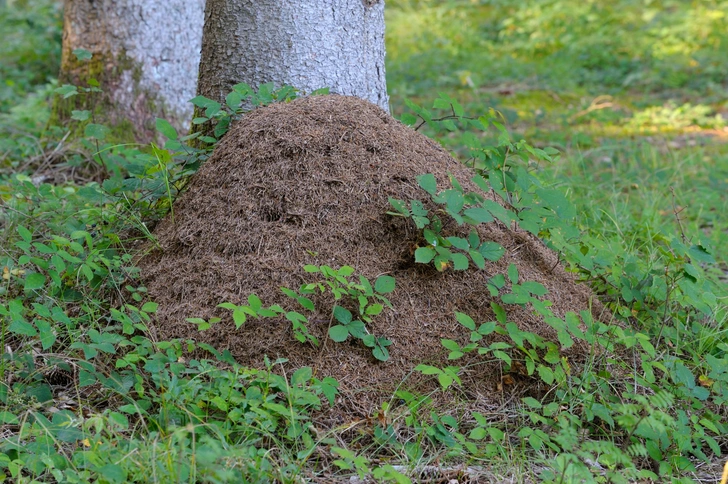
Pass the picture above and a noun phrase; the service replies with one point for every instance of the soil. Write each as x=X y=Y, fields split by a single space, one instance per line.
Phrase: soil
x=307 y=182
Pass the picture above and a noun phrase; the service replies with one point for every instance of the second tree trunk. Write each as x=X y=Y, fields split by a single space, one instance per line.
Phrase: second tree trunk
x=309 y=45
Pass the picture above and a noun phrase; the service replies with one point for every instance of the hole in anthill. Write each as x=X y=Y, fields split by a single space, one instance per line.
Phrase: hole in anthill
x=270 y=214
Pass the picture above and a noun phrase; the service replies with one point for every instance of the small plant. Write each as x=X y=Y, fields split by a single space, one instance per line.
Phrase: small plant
x=241 y=99
x=336 y=281
x=463 y=208
x=360 y=293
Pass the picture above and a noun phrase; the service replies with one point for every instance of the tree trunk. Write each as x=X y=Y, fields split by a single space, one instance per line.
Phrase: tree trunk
x=309 y=45
x=145 y=59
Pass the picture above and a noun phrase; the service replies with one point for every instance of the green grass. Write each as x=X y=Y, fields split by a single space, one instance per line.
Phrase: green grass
x=632 y=93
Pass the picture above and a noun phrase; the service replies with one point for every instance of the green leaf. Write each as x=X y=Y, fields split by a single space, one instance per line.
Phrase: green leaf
x=41 y=310
x=418 y=209
x=481 y=182
x=428 y=183
x=445 y=380
x=306 y=303
x=82 y=54
x=329 y=387
x=465 y=320
x=498 y=281
x=502 y=356
x=513 y=274
x=47 y=335
x=212 y=108
x=603 y=413
x=164 y=127
x=442 y=262
x=374 y=309
x=150 y=307
x=34 y=281
x=565 y=339
x=381 y=353
x=701 y=254
x=457 y=108
x=369 y=340
x=86 y=378
x=255 y=302
x=420 y=222
x=460 y=262
x=239 y=317
x=220 y=403
x=486 y=328
x=233 y=100
x=199 y=322
x=459 y=243
x=408 y=119
x=474 y=239
x=384 y=284
x=431 y=237
x=653 y=450
x=399 y=206
x=357 y=329
x=478 y=214
x=66 y=91
x=546 y=374
x=491 y=251
x=428 y=369
x=18 y=326
x=338 y=333
x=441 y=103
x=244 y=89
x=498 y=211
x=364 y=282
x=682 y=375
x=87 y=272
x=112 y=473
x=119 y=419
x=346 y=271
x=454 y=201
x=500 y=313
x=8 y=418
x=450 y=344
x=449 y=125
x=478 y=259
x=24 y=233
x=201 y=101
x=557 y=201
x=534 y=288
x=80 y=115
x=96 y=131
x=424 y=255
x=342 y=315
x=301 y=376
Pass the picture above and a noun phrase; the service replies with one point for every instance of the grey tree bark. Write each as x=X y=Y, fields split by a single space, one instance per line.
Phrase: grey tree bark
x=309 y=44
x=145 y=56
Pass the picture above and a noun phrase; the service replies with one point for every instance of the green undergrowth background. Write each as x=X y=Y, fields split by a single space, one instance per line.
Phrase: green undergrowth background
x=624 y=174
